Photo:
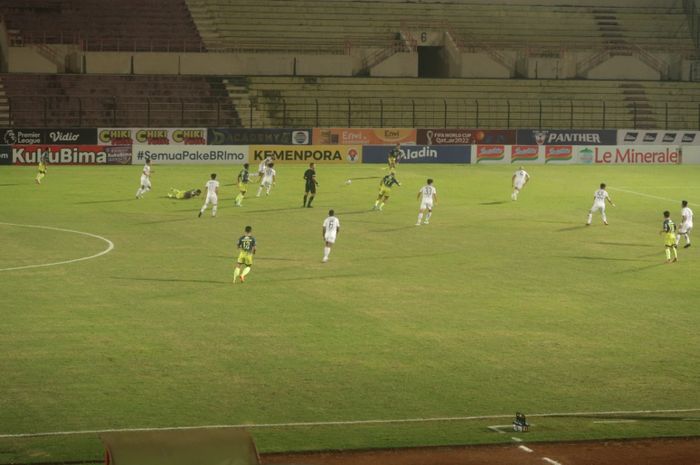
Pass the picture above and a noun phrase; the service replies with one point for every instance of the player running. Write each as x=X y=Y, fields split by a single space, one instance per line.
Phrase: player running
x=331 y=229
x=243 y=178
x=269 y=176
x=41 y=168
x=212 y=187
x=246 y=247
x=263 y=164
x=145 y=179
x=686 y=224
x=385 y=190
x=668 y=230
x=311 y=183
x=520 y=178
x=599 y=198
x=428 y=197
x=393 y=158
x=181 y=195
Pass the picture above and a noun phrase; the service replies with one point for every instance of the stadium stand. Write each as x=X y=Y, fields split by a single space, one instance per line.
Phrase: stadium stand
x=128 y=25
x=92 y=101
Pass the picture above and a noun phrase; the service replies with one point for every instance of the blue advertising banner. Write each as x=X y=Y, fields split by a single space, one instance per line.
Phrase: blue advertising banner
x=5 y=155
x=243 y=136
x=419 y=154
x=567 y=137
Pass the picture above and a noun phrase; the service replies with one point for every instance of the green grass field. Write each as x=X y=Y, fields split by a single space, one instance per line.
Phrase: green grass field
x=494 y=307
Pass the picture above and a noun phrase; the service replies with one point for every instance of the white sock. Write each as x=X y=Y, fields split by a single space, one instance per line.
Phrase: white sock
x=326 y=252
x=687 y=238
x=590 y=217
x=427 y=216
x=515 y=195
x=678 y=239
x=420 y=217
x=605 y=218
x=213 y=210
x=259 y=191
x=138 y=192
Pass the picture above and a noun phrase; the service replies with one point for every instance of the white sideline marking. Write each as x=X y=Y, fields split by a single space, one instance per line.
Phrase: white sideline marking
x=642 y=194
x=516 y=439
x=553 y=462
x=616 y=421
x=525 y=448
x=110 y=246
x=341 y=423
x=497 y=428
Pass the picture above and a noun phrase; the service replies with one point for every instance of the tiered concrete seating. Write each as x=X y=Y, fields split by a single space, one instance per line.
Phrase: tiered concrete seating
x=91 y=101
x=127 y=25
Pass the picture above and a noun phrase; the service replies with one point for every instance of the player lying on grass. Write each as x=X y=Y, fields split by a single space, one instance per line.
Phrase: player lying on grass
x=385 y=190
x=599 y=198
x=686 y=224
x=246 y=247
x=181 y=195
x=212 y=187
x=668 y=229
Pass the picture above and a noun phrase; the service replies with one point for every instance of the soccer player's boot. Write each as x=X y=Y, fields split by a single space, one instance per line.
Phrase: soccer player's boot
x=675 y=259
x=426 y=222
x=686 y=246
x=605 y=223
x=324 y=260
x=418 y=224
x=200 y=214
x=242 y=278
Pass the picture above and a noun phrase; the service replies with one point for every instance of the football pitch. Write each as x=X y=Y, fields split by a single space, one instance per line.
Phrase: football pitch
x=495 y=307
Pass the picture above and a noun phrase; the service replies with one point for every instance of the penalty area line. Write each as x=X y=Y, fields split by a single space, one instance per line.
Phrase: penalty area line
x=641 y=194
x=342 y=423
x=110 y=246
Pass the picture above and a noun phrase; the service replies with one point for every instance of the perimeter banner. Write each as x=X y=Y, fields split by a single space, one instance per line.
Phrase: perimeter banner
x=5 y=155
x=307 y=153
x=419 y=154
x=243 y=136
x=183 y=155
x=644 y=137
x=55 y=136
x=444 y=136
x=566 y=137
x=152 y=136
x=364 y=136
x=630 y=155
x=59 y=154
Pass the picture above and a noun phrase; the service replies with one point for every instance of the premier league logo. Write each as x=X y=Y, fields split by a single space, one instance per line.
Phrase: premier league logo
x=10 y=137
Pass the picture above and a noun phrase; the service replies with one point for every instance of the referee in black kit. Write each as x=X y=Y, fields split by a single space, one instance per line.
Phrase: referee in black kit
x=311 y=183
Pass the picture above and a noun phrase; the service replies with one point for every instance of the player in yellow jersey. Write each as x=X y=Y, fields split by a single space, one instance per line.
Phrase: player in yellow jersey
x=393 y=158
x=385 y=190
x=41 y=169
x=246 y=247
x=243 y=179
x=181 y=195
x=668 y=230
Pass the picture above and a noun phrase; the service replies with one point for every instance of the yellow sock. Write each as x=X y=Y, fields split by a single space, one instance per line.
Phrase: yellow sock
x=246 y=270
x=675 y=252
x=668 y=253
x=236 y=272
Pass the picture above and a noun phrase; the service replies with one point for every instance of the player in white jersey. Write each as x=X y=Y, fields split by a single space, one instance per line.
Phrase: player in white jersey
x=428 y=197
x=331 y=229
x=263 y=164
x=212 y=187
x=599 y=198
x=686 y=224
x=145 y=185
x=520 y=178
x=269 y=176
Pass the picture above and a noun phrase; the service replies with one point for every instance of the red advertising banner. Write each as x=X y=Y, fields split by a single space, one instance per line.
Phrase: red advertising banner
x=359 y=136
x=520 y=153
x=451 y=136
x=59 y=154
x=490 y=153
x=558 y=153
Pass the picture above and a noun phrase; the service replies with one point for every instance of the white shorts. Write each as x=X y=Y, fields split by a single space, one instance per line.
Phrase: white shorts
x=598 y=206
x=266 y=182
x=212 y=199
x=685 y=228
x=145 y=181
x=424 y=205
x=519 y=185
x=330 y=238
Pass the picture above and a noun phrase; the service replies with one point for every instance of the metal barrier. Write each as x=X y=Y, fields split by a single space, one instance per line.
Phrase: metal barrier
x=352 y=112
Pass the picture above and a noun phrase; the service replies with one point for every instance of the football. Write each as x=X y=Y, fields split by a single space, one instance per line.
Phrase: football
x=349 y=181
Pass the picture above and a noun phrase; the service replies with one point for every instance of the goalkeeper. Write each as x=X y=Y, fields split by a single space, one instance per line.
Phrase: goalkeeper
x=180 y=195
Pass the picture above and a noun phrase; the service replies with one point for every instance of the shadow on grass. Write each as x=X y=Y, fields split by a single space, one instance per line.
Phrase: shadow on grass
x=8 y=185
x=257 y=259
x=572 y=228
x=172 y=280
x=626 y=244
x=332 y=276
x=500 y=202
x=607 y=258
x=642 y=268
x=391 y=230
x=356 y=212
x=106 y=201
